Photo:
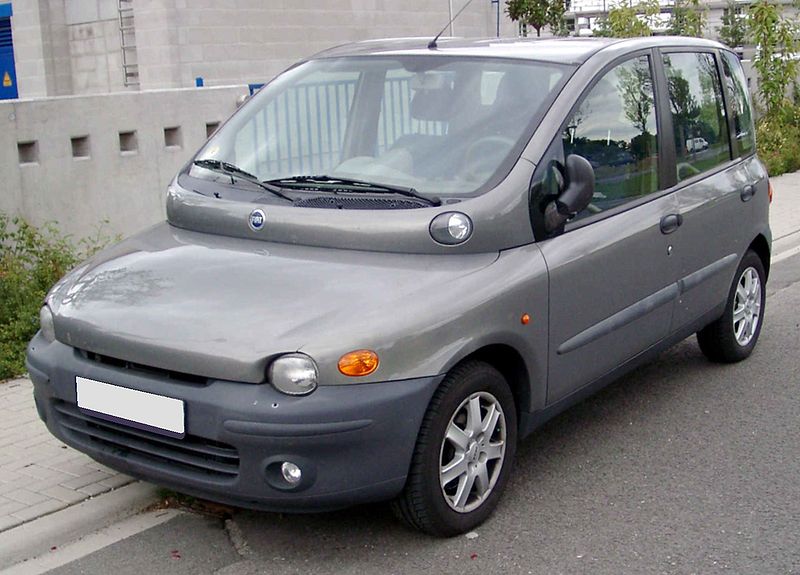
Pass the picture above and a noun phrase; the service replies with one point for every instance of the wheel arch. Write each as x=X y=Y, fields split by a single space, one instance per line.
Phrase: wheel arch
x=509 y=362
x=760 y=245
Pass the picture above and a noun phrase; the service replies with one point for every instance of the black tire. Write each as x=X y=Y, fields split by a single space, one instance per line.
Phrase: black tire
x=423 y=504
x=718 y=340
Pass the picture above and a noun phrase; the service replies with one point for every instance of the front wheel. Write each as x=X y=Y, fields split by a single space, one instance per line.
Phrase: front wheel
x=733 y=337
x=464 y=453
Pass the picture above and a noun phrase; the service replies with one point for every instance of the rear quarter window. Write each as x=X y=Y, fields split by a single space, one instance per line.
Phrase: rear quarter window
x=702 y=140
x=740 y=106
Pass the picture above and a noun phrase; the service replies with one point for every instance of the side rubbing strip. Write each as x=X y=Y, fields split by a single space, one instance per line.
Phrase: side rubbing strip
x=620 y=319
x=696 y=278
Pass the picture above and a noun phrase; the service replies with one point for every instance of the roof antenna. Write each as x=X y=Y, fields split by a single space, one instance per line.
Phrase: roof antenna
x=432 y=44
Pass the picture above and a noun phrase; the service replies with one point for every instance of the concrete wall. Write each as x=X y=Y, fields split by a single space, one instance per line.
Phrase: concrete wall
x=232 y=41
x=61 y=159
x=96 y=57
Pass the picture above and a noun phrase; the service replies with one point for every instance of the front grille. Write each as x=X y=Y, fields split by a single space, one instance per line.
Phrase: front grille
x=177 y=376
x=359 y=203
x=201 y=458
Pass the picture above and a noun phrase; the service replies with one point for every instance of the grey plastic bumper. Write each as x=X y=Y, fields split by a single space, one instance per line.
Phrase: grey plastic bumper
x=353 y=443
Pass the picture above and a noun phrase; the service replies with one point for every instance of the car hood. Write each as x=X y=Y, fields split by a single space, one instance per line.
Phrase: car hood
x=223 y=307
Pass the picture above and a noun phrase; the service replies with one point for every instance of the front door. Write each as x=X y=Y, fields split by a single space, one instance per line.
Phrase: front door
x=612 y=273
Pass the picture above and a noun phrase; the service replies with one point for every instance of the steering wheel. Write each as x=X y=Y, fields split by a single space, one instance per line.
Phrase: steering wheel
x=481 y=156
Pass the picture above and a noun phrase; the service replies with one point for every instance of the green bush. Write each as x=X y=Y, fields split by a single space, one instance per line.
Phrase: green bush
x=778 y=137
x=31 y=261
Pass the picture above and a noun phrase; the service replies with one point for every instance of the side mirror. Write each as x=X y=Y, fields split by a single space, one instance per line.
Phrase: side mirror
x=577 y=194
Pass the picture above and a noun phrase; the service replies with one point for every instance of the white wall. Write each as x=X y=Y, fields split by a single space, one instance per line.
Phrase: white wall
x=126 y=188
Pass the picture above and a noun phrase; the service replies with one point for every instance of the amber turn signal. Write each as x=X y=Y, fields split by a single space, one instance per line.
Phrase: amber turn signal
x=525 y=319
x=358 y=363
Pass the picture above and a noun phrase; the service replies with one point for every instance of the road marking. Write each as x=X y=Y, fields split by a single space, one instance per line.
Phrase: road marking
x=91 y=543
x=785 y=254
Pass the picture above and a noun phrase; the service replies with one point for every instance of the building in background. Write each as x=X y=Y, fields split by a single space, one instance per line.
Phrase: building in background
x=583 y=16
x=78 y=47
x=71 y=47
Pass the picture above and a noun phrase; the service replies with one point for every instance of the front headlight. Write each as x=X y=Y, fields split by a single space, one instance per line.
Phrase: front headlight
x=46 y=323
x=294 y=374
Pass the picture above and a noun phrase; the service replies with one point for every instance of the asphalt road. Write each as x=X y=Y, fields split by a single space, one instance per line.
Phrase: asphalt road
x=681 y=467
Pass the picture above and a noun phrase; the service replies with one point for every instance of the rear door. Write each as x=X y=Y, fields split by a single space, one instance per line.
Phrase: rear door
x=612 y=275
x=712 y=184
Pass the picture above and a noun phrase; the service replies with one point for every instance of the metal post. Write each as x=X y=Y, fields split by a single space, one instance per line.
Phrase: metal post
x=450 y=12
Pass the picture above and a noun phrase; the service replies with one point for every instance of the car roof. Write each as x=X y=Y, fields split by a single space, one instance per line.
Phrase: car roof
x=560 y=50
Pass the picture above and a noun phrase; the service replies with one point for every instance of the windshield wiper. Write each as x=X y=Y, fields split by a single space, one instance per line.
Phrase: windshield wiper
x=235 y=172
x=321 y=182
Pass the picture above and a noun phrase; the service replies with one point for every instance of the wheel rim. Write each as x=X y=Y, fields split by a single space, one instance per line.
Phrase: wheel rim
x=747 y=306
x=472 y=452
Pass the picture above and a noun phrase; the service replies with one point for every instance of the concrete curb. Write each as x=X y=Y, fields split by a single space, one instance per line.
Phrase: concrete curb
x=41 y=535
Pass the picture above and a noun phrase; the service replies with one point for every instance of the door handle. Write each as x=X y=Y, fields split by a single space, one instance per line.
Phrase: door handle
x=670 y=223
x=748 y=192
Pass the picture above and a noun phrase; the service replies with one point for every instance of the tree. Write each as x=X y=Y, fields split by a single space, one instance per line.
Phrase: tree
x=776 y=48
x=688 y=18
x=636 y=88
x=536 y=13
x=630 y=21
x=733 y=31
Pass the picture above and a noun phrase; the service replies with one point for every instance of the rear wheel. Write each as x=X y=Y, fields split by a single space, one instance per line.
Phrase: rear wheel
x=733 y=336
x=464 y=453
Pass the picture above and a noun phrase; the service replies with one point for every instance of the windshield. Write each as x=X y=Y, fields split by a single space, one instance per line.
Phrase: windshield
x=441 y=126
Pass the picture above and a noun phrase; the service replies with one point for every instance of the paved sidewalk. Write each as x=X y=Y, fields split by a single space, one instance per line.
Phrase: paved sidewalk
x=38 y=473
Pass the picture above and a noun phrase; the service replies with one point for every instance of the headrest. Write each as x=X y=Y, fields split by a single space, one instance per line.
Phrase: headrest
x=432 y=105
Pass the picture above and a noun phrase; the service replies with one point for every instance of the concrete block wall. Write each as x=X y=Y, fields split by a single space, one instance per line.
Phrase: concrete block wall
x=96 y=57
x=62 y=159
x=233 y=41
x=58 y=63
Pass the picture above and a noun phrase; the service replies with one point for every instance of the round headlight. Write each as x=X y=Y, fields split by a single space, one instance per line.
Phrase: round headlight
x=451 y=228
x=294 y=374
x=46 y=323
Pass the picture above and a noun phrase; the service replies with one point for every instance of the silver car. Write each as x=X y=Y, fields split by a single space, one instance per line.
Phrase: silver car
x=396 y=260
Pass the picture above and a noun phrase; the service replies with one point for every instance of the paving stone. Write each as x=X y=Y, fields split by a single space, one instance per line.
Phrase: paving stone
x=117 y=480
x=25 y=496
x=38 y=472
x=9 y=506
x=43 y=508
x=64 y=494
x=94 y=489
x=8 y=521
x=85 y=480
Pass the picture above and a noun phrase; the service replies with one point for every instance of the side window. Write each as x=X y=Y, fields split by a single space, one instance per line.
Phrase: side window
x=698 y=114
x=740 y=109
x=615 y=129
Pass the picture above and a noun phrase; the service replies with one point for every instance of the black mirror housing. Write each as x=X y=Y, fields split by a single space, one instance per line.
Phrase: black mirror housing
x=576 y=196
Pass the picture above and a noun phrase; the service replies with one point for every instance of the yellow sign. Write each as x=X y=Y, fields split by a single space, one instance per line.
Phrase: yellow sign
x=7 y=83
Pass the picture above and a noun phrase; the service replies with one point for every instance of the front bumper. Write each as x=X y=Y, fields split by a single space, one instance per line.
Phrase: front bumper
x=353 y=443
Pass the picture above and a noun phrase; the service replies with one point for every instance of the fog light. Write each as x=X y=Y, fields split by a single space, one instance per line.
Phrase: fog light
x=291 y=473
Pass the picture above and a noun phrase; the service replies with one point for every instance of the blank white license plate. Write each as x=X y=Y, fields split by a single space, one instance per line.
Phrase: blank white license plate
x=132 y=407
